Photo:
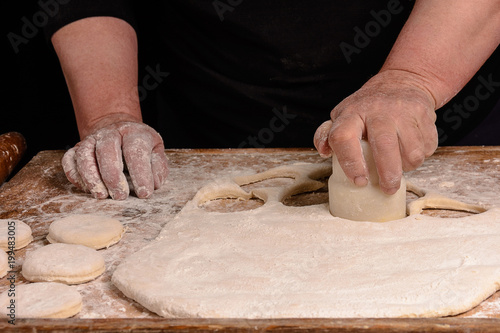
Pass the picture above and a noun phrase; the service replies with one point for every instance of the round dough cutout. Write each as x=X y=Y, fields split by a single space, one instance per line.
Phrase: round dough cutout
x=4 y=263
x=66 y=263
x=94 y=231
x=42 y=300
x=14 y=228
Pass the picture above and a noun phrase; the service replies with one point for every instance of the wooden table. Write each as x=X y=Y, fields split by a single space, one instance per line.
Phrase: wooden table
x=40 y=194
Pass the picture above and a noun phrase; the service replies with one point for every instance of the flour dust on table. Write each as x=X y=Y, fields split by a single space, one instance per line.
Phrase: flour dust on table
x=278 y=261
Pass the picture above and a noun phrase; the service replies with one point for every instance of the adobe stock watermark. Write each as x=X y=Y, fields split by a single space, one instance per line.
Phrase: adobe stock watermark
x=265 y=135
x=373 y=28
x=31 y=27
x=151 y=81
x=11 y=274
x=222 y=7
x=456 y=114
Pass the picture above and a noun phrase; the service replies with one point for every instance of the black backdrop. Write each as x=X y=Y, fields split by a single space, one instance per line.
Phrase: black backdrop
x=37 y=103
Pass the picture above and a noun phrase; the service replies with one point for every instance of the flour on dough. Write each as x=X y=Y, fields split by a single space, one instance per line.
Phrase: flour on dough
x=66 y=263
x=4 y=263
x=14 y=228
x=42 y=300
x=278 y=261
x=94 y=231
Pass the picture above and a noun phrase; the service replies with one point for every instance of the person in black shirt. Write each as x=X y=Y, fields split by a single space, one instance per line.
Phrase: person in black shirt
x=246 y=73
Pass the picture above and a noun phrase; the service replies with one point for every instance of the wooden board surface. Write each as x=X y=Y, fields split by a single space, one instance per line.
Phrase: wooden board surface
x=40 y=194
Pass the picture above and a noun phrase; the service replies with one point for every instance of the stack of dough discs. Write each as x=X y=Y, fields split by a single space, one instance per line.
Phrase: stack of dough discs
x=14 y=228
x=66 y=263
x=93 y=231
x=4 y=263
x=42 y=300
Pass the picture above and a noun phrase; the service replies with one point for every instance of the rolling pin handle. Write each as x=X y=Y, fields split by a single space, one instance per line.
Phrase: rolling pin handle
x=12 y=149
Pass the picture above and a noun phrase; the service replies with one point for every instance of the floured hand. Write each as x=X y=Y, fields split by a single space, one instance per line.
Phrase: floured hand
x=395 y=113
x=96 y=164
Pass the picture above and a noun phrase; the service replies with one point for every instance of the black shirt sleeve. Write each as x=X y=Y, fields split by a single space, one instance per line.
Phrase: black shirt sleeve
x=64 y=12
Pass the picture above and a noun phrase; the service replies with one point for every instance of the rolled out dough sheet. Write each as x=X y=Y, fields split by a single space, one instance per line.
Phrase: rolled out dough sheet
x=277 y=261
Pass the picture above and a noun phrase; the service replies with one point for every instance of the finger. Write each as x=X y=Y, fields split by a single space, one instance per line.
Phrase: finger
x=88 y=169
x=418 y=138
x=321 y=139
x=68 y=163
x=384 y=142
x=429 y=134
x=159 y=166
x=137 y=148
x=344 y=139
x=110 y=161
x=411 y=145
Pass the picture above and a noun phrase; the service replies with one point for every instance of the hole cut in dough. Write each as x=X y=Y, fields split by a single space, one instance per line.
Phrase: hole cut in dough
x=251 y=184
x=20 y=230
x=447 y=213
x=427 y=200
x=249 y=192
x=317 y=197
x=94 y=231
x=307 y=199
x=437 y=212
x=42 y=300
x=228 y=205
x=65 y=263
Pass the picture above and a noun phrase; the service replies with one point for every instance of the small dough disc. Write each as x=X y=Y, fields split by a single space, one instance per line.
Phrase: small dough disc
x=42 y=300
x=14 y=228
x=4 y=263
x=94 y=231
x=66 y=263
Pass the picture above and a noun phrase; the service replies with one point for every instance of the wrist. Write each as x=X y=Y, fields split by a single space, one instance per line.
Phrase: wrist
x=106 y=120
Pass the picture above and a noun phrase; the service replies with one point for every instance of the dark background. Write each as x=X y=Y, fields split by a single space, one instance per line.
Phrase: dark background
x=37 y=102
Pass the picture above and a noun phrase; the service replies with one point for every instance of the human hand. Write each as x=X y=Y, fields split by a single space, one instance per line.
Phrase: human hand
x=395 y=113
x=96 y=165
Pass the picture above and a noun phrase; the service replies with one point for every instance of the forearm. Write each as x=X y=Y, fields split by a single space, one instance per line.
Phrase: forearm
x=98 y=56
x=445 y=42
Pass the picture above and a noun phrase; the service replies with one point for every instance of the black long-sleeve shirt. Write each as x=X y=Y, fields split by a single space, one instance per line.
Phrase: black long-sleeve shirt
x=249 y=73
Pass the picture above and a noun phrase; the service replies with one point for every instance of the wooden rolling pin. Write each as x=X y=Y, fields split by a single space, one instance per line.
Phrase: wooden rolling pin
x=12 y=148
